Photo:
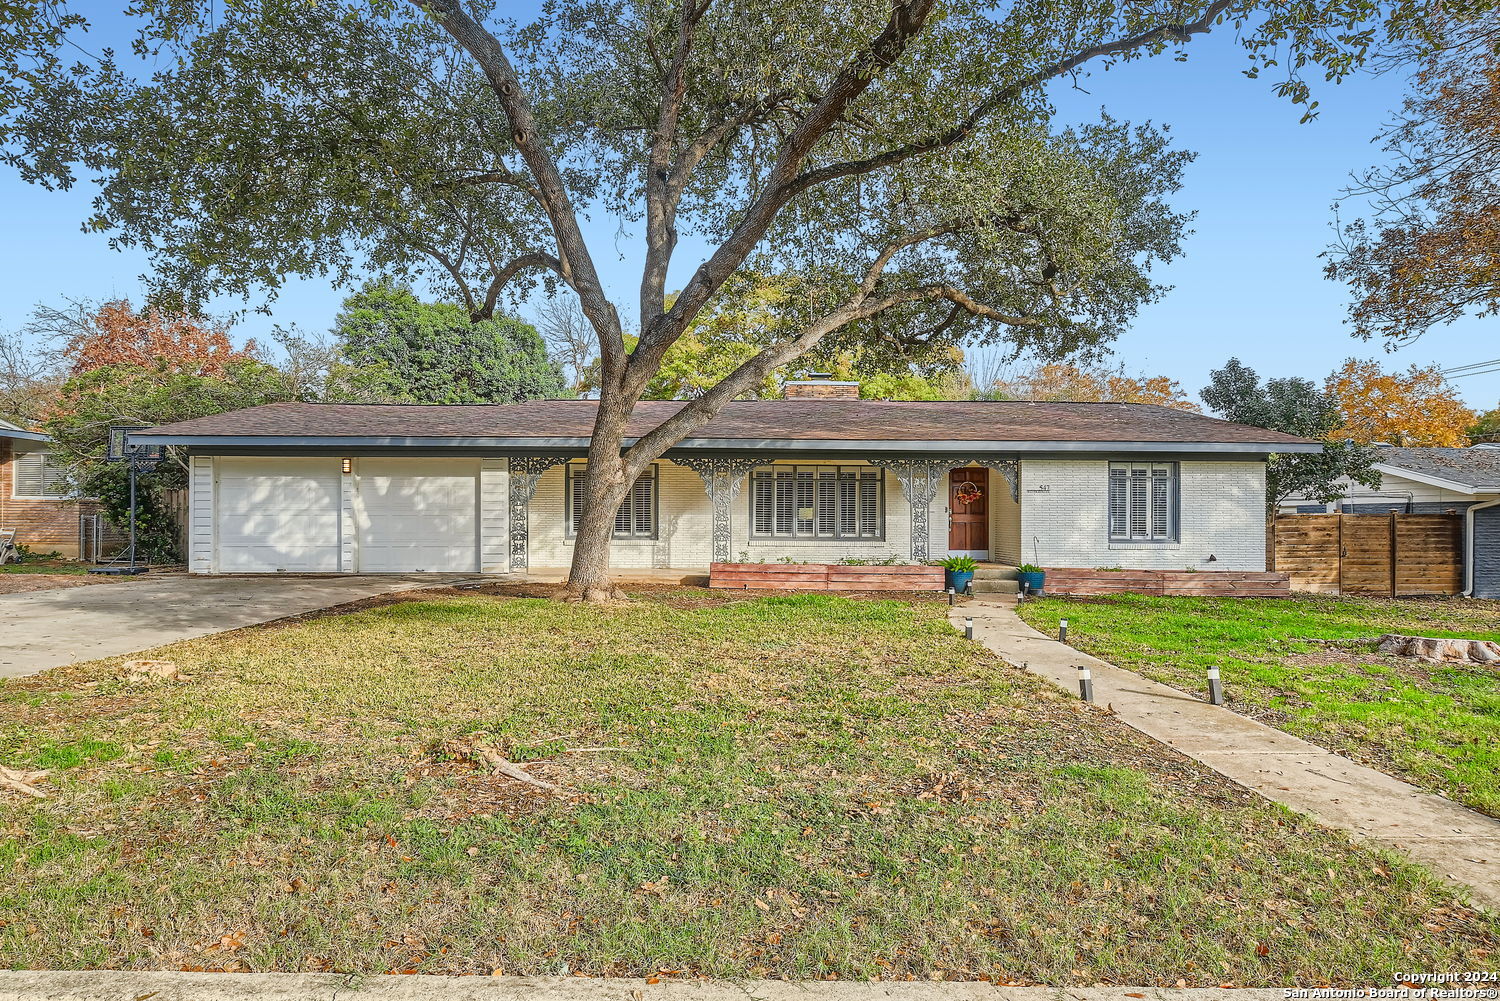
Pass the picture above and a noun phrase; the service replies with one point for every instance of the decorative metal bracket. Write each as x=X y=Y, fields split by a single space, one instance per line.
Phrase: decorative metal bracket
x=919 y=480
x=1008 y=468
x=525 y=472
x=722 y=478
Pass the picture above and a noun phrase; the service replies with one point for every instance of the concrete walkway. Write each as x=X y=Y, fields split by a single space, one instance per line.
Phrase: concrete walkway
x=113 y=985
x=45 y=629
x=1337 y=792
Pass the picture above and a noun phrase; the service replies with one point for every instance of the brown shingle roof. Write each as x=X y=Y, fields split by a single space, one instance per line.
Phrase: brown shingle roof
x=812 y=420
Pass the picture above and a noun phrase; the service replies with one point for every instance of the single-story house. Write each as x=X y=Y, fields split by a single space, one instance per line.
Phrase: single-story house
x=1464 y=481
x=35 y=499
x=817 y=477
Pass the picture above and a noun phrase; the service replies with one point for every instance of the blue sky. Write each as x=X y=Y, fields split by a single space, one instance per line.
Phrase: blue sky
x=1250 y=282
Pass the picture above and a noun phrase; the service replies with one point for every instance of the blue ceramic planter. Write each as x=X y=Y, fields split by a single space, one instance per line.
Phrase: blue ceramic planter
x=958 y=580
x=1032 y=582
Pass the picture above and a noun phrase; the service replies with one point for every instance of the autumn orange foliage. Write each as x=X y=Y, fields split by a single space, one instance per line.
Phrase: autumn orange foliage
x=117 y=334
x=1065 y=382
x=1418 y=407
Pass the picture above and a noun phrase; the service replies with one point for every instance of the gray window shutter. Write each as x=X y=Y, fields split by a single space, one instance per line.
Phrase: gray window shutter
x=1161 y=501
x=828 y=502
x=762 y=501
x=1139 y=495
x=869 y=504
x=1119 y=502
x=641 y=501
x=575 y=486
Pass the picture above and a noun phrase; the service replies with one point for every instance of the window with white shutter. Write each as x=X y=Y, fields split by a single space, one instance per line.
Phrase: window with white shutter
x=636 y=516
x=1143 y=501
x=817 y=502
x=38 y=475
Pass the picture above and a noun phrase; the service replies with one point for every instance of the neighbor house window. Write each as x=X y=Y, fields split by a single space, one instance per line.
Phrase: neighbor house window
x=1143 y=501
x=817 y=502
x=39 y=475
x=636 y=516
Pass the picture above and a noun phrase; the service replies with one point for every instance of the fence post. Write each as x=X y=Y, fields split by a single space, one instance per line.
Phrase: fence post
x=1394 y=536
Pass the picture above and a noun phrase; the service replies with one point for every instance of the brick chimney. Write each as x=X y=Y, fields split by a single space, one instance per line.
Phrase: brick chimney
x=821 y=386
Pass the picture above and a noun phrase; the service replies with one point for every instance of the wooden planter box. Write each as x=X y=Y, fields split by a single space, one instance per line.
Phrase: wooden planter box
x=1179 y=583
x=823 y=577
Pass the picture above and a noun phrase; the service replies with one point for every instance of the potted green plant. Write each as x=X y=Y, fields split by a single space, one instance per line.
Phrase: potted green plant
x=958 y=572
x=1031 y=577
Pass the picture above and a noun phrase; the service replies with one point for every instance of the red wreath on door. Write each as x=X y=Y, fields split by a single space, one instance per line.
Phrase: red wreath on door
x=967 y=493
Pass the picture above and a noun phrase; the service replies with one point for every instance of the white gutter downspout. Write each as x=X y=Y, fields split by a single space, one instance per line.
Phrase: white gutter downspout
x=1468 y=592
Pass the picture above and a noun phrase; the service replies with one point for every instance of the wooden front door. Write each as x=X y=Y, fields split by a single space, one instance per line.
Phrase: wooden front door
x=969 y=502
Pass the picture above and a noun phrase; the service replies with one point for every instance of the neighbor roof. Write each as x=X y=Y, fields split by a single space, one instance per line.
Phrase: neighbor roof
x=9 y=430
x=808 y=423
x=1474 y=469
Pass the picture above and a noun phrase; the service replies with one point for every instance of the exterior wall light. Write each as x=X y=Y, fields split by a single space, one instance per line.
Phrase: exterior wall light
x=348 y=466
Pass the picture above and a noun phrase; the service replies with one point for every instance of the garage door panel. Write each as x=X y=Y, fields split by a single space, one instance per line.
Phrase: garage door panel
x=418 y=515
x=277 y=515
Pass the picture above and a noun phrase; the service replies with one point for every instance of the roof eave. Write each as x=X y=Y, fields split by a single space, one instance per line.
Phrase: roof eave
x=24 y=435
x=947 y=446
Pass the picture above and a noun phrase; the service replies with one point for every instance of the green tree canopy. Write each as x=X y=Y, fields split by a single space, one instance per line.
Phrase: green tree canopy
x=1293 y=406
x=425 y=352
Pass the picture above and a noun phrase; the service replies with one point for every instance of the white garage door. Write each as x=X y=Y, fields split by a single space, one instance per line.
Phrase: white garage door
x=417 y=515
x=277 y=514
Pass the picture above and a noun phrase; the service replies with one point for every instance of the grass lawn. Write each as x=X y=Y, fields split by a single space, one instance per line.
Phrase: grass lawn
x=786 y=786
x=36 y=565
x=1435 y=725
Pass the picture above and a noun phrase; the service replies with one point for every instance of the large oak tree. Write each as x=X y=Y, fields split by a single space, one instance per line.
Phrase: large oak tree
x=899 y=156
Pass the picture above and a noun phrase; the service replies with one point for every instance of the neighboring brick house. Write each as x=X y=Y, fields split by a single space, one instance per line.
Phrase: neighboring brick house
x=817 y=477
x=34 y=498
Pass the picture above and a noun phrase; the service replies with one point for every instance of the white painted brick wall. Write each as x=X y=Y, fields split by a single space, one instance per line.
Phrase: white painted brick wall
x=685 y=534
x=1064 y=517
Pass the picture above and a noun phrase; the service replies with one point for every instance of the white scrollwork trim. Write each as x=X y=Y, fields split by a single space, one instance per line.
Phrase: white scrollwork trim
x=722 y=477
x=525 y=472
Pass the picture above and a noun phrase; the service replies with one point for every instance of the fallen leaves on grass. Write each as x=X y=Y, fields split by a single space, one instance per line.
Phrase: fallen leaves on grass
x=145 y=671
x=22 y=782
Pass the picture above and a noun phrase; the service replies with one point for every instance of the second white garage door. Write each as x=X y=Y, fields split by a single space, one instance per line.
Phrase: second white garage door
x=417 y=515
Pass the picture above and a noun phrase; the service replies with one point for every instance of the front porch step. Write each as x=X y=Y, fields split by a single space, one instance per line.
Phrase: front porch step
x=994 y=572
x=995 y=585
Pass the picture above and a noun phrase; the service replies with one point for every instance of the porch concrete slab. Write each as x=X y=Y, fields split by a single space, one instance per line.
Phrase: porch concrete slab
x=1370 y=805
x=46 y=629
x=123 y=985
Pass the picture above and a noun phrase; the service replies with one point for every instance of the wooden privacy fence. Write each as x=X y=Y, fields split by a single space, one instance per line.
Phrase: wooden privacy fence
x=1392 y=555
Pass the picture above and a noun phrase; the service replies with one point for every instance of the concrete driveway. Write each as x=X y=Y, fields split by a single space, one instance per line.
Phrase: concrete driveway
x=44 y=629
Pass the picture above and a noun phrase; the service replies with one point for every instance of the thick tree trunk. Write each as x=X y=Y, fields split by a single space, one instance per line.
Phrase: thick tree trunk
x=604 y=491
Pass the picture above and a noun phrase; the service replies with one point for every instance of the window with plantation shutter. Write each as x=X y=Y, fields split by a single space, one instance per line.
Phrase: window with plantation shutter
x=38 y=475
x=1119 y=501
x=1143 y=501
x=636 y=516
x=817 y=502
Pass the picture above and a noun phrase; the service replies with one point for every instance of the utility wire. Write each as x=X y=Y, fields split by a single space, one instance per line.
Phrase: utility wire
x=1477 y=368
